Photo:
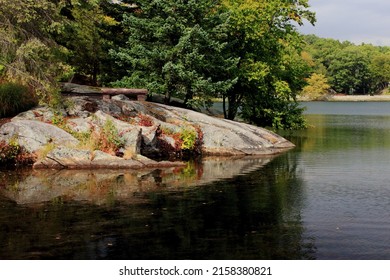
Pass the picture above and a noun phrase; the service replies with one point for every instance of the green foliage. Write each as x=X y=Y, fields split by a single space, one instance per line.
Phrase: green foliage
x=276 y=110
x=177 y=48
x=45 y=150
x=110 y=139
x=187 y=141
x=15 y=98
x=28 y=52
x=188 y=137
x=349 y=68
x=348 y=72
x=263 y=35
x=105 y=138
x=380 y=69
x=88 y=37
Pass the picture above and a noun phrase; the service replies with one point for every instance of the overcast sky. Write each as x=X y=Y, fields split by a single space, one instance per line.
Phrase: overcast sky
x=358 y=21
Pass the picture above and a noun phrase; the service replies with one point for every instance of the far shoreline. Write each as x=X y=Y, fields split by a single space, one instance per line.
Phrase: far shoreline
x=351 y=98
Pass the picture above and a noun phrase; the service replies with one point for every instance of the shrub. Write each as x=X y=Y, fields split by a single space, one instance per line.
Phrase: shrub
x=15 y=98
x=109 y=138
x=106 y=138
x=12 y=153
x=188 y=141
x=188 y=138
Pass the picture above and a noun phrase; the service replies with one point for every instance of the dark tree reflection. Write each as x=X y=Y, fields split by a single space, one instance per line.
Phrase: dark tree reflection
x=252 y=215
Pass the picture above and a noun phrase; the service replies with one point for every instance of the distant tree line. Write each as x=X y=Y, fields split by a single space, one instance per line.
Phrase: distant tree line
x=245 y=52
x=345 y=67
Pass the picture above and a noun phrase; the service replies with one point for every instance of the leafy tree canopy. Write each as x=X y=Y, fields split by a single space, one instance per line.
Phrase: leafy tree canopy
x=349 y=68
x=247 y=52
x=271 y=71
x=177 y=48
x=28 y=54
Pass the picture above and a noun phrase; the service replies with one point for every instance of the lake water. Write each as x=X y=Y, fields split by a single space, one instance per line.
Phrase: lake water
x=329 y=198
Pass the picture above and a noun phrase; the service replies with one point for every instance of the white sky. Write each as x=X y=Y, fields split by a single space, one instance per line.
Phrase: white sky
x=358 y=21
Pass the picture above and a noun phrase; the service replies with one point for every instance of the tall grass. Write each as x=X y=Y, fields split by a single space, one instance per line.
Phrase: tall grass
x=15 y=98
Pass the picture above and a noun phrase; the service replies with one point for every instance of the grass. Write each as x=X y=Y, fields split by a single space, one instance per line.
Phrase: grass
x=15 y=98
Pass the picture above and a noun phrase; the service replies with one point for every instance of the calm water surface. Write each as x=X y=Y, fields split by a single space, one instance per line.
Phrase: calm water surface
x=329 y=198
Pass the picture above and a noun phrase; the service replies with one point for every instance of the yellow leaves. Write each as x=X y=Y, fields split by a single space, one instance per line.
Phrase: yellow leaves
x=110 y=21
x=295 y=17
x=99 y=17
x=307 y=57
x=317 y=87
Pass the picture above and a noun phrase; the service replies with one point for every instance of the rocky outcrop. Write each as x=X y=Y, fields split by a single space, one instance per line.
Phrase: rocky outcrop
x=71 y=158
x=119 y=133
x=34 y=135
x=219 y=136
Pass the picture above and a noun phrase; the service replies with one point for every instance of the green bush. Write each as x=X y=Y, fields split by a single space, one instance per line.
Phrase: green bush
x=15 y=98
x=188 y=138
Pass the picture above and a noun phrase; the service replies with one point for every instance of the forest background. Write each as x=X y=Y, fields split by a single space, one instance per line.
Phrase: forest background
x=247 y=53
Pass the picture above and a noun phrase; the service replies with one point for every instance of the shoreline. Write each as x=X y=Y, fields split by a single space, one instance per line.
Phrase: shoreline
x=360 y=98
x=351 y=98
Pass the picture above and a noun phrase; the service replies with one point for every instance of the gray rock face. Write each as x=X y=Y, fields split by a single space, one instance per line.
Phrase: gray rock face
x=220 y=136
x=71 y=158
x=34 y=135
x=145 y=128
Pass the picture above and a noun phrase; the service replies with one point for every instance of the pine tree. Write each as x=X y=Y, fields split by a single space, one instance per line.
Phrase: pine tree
x=177 y=48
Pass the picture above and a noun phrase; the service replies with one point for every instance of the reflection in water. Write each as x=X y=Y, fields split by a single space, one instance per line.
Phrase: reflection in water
x=216 y=209
x=105 y=186
x=344 y=162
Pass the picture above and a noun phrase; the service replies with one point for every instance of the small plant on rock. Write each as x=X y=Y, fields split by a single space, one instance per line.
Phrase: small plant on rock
x=108 y=139
x=105 y=138
x=13 y=153
x=188 y=138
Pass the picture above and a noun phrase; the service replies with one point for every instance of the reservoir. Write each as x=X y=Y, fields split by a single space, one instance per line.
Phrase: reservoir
x=329 y=198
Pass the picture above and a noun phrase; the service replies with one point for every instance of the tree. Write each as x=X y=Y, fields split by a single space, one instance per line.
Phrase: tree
x=264 y=36
x=88 y=35
x=349 y=68
x=317 y=87
x=380 y=69
x=28 y=53
x=177 y=48
x=349 y=72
